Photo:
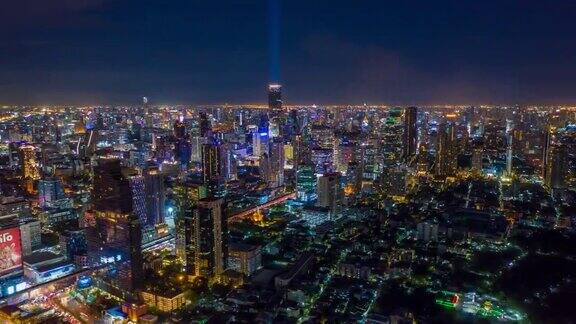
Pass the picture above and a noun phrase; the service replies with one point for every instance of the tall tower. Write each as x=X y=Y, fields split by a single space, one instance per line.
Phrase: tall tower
x=275 y=97
x=50 y=191
x=277 y=163
x=115 y=235
x=330 y=193
x=410 y=139
x=210 y=231
x=509 y=138
x=212 y=168
x=146 y=112
x=205 y=127
x=557 y=167
x=277 y=119
x=155 y=196
x=29 y=162
x=306 y=184
x=477 y=156
x=446 y=159
x=545 y=151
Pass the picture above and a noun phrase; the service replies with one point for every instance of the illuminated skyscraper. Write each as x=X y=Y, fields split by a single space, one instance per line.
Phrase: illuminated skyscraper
x=115 y=236
x=277 y=122
x=276 y=163
x=179 y=129
x=138 y=195
x=446 y=159
x=343 y=155
x=260 y=142
x=477 y=157
x=148 y=122
x=422 y=163
x=196 y=148
x=557 y=167
x=205 y=127
x=545 y=151
x=323 y=159
x=410 y=139
x=111 y=189
x=49 y=192
x=155 y=196
x=210 y=232
x=228 y=164
x=187 y=194
x=275 y=97
x=509 y=139
x=30 y=168
x=183 y=152
x=353 y=179
x=306 y=184
x=330 y=193
x=212 y=168
x=323 y=136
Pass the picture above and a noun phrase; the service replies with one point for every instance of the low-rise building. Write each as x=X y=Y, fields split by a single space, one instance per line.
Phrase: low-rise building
x=167 y=301
x=244 y=258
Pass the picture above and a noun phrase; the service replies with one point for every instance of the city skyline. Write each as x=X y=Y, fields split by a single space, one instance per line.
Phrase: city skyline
x=287 y=161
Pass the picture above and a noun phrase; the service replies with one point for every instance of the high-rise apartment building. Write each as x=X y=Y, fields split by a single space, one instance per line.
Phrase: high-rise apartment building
x=115 y=236
x=210 y=237
x=330 y=193
x=410 y=139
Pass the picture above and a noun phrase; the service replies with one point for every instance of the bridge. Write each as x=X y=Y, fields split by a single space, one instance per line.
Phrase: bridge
x=252 y=210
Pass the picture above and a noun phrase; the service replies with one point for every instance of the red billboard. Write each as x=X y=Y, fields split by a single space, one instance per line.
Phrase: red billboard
x=10 y=250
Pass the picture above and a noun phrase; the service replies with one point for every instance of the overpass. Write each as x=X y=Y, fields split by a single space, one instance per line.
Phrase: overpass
x=276 y=201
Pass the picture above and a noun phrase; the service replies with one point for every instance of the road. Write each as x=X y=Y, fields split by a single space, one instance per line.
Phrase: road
x=81 y=312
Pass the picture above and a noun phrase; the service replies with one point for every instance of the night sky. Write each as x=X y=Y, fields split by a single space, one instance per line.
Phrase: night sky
x=354 y=51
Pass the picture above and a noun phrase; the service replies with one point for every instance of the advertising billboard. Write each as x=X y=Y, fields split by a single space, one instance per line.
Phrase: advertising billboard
x=10 y=250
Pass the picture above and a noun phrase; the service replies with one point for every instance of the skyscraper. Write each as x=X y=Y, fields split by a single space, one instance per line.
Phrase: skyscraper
x=410 y=139
x=115 y=237
x=187 y=193
x=111 y=189
x=148 y=122
x=330 y=193
x=212 y=168
x=138 y=194
x=276 y=163
x=260 y=142
x=477 y=156
x=557 y=167
x=509 y=153
x=179 y=129
x=29 y=162
x=211 y=248
x=155 y=196
x=49 y=192
x=277 y=119
x=306 y=183
x=545 y=151
x=275 y=97
x=446 y=159
x=205 y=127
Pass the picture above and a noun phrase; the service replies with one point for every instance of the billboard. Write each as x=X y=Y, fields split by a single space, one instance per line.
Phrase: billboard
x=10 y=250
